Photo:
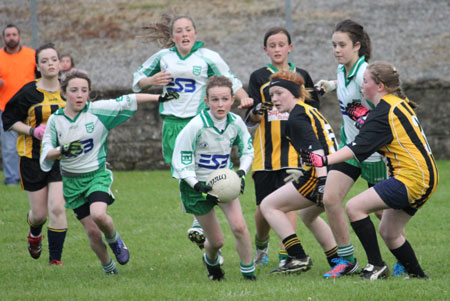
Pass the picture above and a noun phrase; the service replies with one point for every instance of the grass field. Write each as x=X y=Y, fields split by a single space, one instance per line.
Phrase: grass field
x=164 y=265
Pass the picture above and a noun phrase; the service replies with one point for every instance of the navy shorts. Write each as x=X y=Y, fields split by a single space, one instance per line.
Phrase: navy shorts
x=395 y=195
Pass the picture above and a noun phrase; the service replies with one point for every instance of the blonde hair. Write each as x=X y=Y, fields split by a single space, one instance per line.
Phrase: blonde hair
x=296 y=78
x=386 y=73
x=161 y=31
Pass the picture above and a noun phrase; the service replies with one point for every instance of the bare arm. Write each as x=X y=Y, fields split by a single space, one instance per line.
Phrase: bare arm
x=21 y=128
x=341 y=155
x=244 y=99
x=145 y=97
x=162 y=78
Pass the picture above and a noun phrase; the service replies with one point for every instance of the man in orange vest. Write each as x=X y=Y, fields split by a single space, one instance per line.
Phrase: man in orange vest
x=17 y=67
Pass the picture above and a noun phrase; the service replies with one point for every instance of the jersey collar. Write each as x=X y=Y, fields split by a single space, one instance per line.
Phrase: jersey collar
x=272 y=68
x=354 y=70
x=197 y=45
x=208 y=122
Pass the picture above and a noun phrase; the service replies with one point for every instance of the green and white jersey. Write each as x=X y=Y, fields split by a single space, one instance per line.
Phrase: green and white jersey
x=189 y=76
x=201 y=148
x=91 y=127
x=348 y=91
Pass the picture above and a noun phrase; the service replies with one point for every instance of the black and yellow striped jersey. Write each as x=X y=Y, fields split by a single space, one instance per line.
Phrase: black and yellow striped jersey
x=308 y=129
x=393 y=129
x=33 y=106
x=272 y=149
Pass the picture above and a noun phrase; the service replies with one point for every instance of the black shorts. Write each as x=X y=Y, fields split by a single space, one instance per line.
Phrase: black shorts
x=395 y=195
x=307 y=184
x=32 y=176
x=349 y=170
x=267 y=181
x=97 y=196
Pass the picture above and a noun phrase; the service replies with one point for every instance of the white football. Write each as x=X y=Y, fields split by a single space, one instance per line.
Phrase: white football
x=225 y=183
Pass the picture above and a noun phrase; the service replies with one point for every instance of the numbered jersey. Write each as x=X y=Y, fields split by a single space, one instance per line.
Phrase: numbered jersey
x=349 y=91
x=201 y=148
x=189 y=76
x=91 y=126
x=308 y=129
x=393 y=129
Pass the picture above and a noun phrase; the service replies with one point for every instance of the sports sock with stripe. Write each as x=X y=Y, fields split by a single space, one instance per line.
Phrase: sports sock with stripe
x=293 y=246
x=331 y=254
x=56 y=238
x=346 y=252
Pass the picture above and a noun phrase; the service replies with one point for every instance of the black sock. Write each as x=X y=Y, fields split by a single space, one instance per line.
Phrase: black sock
x=293 y=246
x=332 y=254
x=365 y=230
x=35 y=230
x=405 y=254
x=56 y=239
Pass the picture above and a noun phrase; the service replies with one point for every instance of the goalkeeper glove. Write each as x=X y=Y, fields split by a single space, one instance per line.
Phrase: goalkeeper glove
x=358 y=113
x=262 y=107
x=204 y=189
x=320 y=190
x=325 y=86
x=312 y=159
x=72 y=149
x=169 y=95
x=294 y=175
x=38 y=132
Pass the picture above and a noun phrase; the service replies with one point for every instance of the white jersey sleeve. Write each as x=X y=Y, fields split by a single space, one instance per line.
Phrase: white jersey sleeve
x=189 y=77
x=91 y=127
x=150 y=67
x=201 y=148
x=49 y=141
x=183 y=160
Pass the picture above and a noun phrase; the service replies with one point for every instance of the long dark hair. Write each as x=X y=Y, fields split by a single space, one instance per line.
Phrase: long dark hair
x=357 y=34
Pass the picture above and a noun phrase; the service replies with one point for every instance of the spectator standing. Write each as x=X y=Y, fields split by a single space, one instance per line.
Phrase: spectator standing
x=17 y=67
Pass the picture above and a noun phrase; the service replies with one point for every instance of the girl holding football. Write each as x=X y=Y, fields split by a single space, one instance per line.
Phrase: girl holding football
x=205 y=145
x=184 y=66
x=393 y=129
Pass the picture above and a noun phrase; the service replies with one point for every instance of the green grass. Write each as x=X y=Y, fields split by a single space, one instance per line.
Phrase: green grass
x=165 y=265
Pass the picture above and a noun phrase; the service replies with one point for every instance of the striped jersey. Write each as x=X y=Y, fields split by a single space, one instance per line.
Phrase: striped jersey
x=91 y=127
x=201 y=148
x=32 y=106
x=272 y=150
x=189 y=76
x=307 y=129
x=348 y=91
x=394 y=130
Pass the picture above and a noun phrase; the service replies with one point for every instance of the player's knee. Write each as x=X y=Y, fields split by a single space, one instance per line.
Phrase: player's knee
x=387 y=233
x=240 y=229
x=351 y=210
x=98 y=217
x=57 y=211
